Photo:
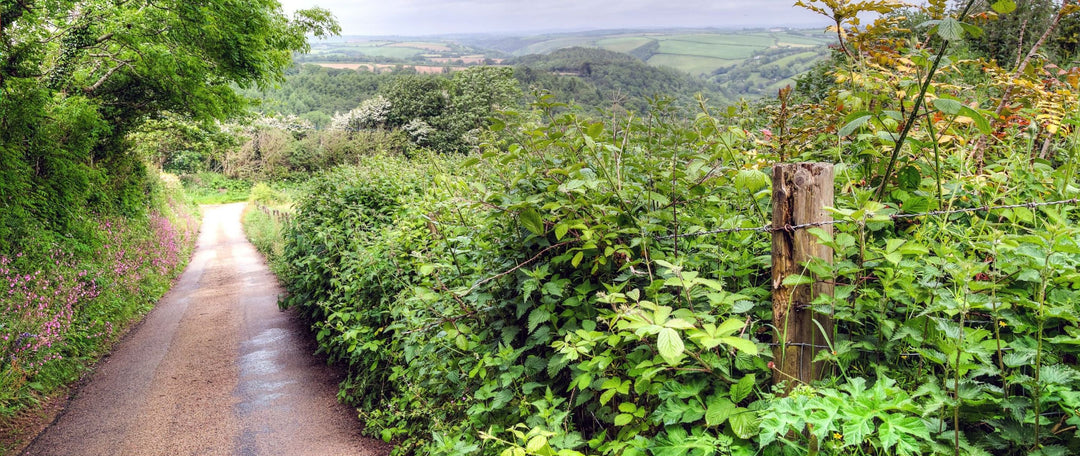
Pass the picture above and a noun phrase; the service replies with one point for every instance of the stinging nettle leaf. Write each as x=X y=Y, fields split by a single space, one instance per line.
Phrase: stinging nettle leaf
x=950 y=30
x=854 y=125
x=537 y=317
x=947 y=106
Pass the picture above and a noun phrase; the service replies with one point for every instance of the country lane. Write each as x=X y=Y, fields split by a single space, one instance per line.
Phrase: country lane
x=215 y=369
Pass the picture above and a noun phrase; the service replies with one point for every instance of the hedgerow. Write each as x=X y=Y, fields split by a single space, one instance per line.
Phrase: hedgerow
x=60 y=312
x=557 y=291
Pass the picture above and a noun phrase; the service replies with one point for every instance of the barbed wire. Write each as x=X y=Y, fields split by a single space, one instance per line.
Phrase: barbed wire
x=789 y=228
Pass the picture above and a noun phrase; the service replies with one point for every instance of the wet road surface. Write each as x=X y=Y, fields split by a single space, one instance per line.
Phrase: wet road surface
x=215 y=369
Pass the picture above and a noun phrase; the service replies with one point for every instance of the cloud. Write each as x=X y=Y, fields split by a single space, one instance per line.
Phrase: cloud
x=428 y=17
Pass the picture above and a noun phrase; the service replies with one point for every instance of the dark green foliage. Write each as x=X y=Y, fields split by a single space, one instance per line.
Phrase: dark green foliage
x=415 y=97
x=311 y=88
x=1066 y=42
x=600 y=78
x=340 y=283
x=78 y=77
x=645 y=51
x=819 y=82
x=48 y=149
x=1009 y=38
x=464 y=296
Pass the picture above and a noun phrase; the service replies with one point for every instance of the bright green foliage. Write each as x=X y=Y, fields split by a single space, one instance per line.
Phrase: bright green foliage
x=529 y=298
x=213 y=188
x=182 y=146
x=264 y=221
x=77 y=77
x=398 y=263
x=603 y=78
x=58 y=316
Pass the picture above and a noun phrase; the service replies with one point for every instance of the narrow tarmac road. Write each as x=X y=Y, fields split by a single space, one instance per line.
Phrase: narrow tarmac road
x=215 y=369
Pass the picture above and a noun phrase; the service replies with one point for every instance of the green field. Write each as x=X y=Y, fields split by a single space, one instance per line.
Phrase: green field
x=698 y=49
x=792 y=60
x=695 y=65
x=743 y=62
x=371 y=49
x=623 y=43
x=750 y=39
x=546 y=46
x=694 y=52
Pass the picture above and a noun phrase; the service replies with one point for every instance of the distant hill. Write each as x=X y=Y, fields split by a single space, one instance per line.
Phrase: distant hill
x=599 y=77
x=745 y=63
x=726 y=64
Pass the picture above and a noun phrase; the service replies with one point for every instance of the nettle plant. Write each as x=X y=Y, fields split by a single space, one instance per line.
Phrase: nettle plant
x=608 y=340
x=956 y=332
x=536 y=297
x=528 y=290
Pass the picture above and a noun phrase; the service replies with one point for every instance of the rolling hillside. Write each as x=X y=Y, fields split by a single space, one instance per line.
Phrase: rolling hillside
x=741 y=63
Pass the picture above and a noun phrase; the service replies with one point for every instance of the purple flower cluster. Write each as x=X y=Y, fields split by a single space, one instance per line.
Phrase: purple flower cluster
x=72 y=300
x=37 y=311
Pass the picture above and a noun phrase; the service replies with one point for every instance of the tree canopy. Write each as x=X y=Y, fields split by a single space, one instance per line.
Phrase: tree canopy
x=77 y=76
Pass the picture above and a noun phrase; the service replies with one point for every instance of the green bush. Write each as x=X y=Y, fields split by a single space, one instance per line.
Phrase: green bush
x=215 y=188
x=463 y=292
x=535 y=297
x=530 y=298
x=63 y=311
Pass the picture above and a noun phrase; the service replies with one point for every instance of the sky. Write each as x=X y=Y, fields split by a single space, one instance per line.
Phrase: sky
x=518 y=17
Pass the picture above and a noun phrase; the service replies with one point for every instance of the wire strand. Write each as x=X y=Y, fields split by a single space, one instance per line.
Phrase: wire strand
x=789 y=228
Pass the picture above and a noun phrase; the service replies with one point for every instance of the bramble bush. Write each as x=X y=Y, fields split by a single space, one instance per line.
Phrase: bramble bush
x=530 y=298
x=524 y=299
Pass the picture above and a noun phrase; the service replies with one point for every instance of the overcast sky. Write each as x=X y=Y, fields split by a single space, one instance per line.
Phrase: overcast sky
x=429 y=17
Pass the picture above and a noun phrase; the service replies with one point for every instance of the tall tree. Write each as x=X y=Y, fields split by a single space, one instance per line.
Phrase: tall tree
x=1011 y=35
x=77 y=76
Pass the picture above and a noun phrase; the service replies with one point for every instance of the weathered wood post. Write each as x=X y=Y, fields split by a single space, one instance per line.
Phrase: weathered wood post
x=801 y=191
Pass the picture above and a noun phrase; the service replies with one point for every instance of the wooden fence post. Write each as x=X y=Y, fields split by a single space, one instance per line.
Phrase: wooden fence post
x=801 y=191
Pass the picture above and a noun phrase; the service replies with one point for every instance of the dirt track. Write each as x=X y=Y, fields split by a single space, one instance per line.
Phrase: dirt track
x=215 y=369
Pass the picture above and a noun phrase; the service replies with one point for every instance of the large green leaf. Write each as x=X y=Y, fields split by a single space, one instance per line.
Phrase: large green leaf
x=980 y=121
x=670 y=345
x=1003 y=6
x=947 y=106
x=744 y=423
x=741 y=389
x=537 y=317
x=854 y=124
x=718 y=409
x=950 y=29
x=531 y=220
x=741 y=344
